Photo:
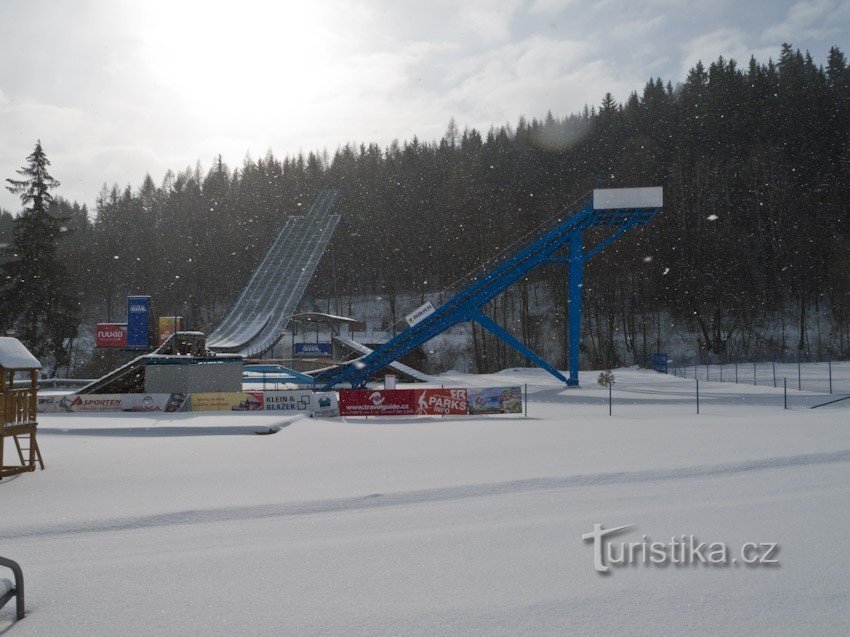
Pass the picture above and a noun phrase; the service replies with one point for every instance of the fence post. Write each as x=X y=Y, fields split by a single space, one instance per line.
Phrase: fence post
x=721 y=370
x=799 y=377
x=754 y=372
x=696 y=365
x=609 y=398
x=773 y=361
x=736 y=371
x=830 y=372
x=697 y=395
x=785 y=392
x=526 y=400
x=706 y=371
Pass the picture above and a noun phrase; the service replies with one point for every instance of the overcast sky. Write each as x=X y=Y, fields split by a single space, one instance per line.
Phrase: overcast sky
x=118 y=89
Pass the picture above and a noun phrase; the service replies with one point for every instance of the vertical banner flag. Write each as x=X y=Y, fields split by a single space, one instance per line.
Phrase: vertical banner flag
x=138 y=309
x=167 y=325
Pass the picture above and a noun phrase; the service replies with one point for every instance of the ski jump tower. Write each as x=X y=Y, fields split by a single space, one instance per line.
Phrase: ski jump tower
x=560 y=241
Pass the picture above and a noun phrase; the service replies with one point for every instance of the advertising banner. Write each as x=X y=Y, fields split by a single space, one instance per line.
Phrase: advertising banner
x=153 y=402
x=419 y=313
x=166 y=326
x=138 y=309
x=365 y=402
x=312 y=350
x=71 y=403
x=227 y=401
x=316 y=403
x=441 y=402
x=110 y=335
x=91 y=403
x=495 y=400
x=47 y=404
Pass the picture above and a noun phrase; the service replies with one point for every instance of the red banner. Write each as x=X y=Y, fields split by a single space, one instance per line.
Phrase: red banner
x=387 y=402
x=441 y=402
x=110 y=335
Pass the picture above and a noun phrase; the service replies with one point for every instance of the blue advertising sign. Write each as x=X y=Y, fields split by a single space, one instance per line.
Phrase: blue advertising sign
x=313 y=350
x=659 y=362
x=138 y=311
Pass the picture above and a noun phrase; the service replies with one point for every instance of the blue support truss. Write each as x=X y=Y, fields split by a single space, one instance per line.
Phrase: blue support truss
x=546 y=245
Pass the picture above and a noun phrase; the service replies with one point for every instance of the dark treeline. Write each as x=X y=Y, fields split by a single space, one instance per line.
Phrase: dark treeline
x=750 y=255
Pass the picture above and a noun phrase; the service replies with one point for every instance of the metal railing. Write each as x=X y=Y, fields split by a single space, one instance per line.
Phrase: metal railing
x=16 y=591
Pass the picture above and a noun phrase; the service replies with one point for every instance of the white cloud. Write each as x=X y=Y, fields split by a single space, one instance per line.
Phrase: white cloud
x=549 y=6
x=121 y=88
x=728 y=42
x=531 y=77
x=811 y=19
x=489 y=19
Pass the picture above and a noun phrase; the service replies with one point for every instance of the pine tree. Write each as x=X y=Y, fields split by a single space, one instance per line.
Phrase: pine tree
x=37 y=299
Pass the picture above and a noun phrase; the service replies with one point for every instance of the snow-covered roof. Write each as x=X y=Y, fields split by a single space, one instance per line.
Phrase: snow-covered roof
x=13 y=355
x=322 y=317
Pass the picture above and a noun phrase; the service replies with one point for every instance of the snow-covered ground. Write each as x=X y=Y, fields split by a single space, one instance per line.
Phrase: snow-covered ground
x=191 y=524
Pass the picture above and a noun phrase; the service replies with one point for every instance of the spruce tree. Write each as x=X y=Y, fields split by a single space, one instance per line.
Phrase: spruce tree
x=36 y=299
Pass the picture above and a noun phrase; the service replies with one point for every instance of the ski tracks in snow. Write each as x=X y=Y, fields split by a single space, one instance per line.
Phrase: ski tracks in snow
x=444 y=494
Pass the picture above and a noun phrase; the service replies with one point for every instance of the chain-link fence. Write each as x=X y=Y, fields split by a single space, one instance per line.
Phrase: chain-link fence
x=808 y=384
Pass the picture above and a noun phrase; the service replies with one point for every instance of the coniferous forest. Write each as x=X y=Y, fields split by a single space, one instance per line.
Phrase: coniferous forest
x=750 y=256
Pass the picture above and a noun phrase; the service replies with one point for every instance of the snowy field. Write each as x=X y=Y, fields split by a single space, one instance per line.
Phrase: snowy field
x=190 y=524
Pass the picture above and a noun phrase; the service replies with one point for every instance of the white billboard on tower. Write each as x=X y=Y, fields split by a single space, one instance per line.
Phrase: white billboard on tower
x=619 y=198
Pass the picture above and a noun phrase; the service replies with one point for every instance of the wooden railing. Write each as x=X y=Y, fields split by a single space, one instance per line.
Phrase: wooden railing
x=18 y=406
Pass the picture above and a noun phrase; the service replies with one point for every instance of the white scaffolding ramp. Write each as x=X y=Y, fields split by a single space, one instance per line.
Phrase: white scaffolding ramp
x=257 y=320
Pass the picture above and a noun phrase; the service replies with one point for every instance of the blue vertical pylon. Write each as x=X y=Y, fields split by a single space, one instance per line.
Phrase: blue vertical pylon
x=575 y=278
x=619 y=209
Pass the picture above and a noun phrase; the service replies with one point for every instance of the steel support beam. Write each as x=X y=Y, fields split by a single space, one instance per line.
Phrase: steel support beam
x=631 y=223
x=494 y=328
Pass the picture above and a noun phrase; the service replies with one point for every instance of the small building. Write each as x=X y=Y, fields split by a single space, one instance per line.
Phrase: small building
x=18 y=424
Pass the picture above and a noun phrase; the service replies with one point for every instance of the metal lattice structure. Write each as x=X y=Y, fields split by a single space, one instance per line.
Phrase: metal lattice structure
x=257 y=320
x=618 y=210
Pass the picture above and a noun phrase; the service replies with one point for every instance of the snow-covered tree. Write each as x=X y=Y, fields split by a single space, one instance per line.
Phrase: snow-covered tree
x=36 y=298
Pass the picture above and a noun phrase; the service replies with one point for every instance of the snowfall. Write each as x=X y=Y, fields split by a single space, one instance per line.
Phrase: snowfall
x=188 y=524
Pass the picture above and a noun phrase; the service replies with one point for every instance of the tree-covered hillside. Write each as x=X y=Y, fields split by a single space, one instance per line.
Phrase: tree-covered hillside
x=755 y=162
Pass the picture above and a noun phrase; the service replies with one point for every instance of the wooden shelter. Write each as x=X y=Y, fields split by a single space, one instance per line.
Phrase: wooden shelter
x=18 y=407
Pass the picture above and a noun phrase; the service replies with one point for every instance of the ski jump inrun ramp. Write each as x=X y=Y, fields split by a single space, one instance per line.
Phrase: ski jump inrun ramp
x=257 y=320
